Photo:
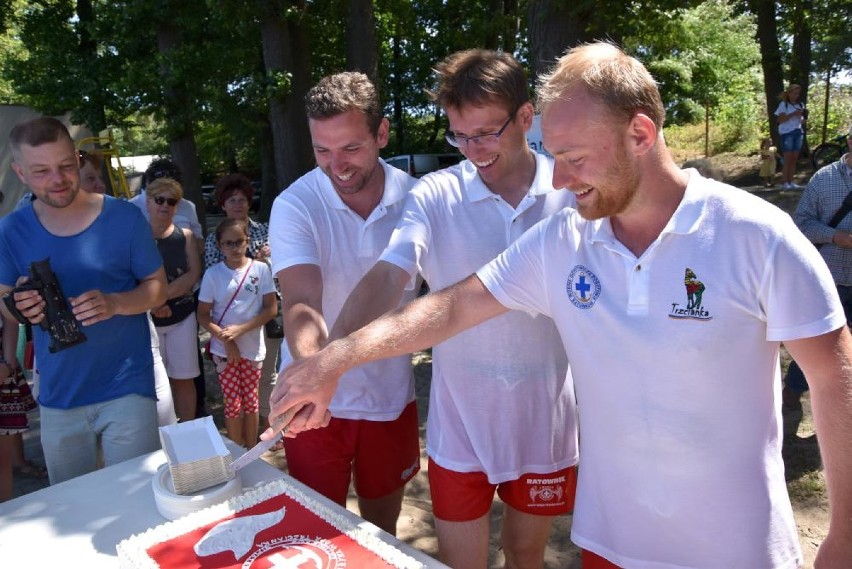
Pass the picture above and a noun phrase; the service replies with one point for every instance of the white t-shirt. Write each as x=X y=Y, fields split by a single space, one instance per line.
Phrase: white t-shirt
x=310 y=225
x=680 y=405
x=218 y=286
x=791 y=124
x=185 y=215
x=501 y=401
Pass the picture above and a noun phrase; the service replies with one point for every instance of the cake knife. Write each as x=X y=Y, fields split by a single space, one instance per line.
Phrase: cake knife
x=263 y=446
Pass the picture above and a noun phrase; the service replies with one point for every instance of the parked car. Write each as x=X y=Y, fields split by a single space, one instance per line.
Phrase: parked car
x=209 y=198
x=418 y=165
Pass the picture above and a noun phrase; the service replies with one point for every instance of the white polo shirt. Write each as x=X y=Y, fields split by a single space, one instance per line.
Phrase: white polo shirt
x=500 y=401
x=680 y=404
x=310 y=225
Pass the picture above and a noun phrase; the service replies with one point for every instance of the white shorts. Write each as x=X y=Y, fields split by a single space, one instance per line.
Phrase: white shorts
x=179 y=348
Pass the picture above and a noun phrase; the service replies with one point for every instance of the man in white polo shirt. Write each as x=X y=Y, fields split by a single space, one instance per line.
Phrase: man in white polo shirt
x=326 y=230
x=672 y=294
x=501 y=411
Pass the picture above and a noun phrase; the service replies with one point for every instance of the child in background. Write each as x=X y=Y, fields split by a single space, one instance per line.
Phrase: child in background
x=236 y=299
x=768 y=159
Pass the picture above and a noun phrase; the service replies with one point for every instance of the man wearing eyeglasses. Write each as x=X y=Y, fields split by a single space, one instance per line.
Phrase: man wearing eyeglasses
x=99 y=392
x=678 y=387
x=501 y=411
x=326 y=230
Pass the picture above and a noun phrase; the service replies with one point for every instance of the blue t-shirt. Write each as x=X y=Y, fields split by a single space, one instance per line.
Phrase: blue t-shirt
x=112 y=255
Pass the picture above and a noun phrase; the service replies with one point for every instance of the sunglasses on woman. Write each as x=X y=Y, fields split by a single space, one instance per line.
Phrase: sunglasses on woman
x=160 y=200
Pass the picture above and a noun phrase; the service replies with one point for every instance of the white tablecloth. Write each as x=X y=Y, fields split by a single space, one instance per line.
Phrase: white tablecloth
x=78 y=523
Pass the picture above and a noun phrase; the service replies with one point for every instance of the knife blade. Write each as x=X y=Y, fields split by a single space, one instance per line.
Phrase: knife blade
x=254 y=453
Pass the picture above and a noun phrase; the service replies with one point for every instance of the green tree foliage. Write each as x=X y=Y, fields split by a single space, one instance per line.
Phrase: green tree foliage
x=707 y=59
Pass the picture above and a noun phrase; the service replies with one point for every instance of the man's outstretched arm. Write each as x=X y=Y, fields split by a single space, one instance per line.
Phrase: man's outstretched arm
x=827 y=363
x=378 y=292
x=424 y=322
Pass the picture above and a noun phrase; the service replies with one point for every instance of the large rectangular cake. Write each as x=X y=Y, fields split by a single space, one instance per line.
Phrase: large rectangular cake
x=274 y=526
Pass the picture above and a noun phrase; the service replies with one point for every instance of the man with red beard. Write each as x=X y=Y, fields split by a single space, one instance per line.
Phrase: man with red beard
x=326 y=230
x=501 y=412
x=680 y=408
x=99 y=393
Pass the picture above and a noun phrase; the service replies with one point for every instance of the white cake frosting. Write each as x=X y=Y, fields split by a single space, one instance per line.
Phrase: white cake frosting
x=132 y=552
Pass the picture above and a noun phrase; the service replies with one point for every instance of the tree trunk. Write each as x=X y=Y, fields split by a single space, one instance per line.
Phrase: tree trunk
x=269 y=188
x=800 y=63
x=493 y=28
x=398 y=116
x=511 y=27
x=361 y=46
x=552 y=29
x=286 y=50
x=179 y=124
x=770 y=59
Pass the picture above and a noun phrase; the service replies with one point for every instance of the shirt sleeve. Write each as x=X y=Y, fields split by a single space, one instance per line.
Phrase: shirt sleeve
x=145 y=257
x=798 y=294
x=517 y=277
x=411 y=238
x=291 y=237
x=212 y=253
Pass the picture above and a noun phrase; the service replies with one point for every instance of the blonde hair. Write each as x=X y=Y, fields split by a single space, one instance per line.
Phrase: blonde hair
x=785 y=94
x=162 y=185
x=620 y=82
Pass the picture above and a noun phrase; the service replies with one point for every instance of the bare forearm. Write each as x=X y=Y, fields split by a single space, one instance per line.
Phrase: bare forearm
x=377 y=293
x=181 y=286
x=149 y=294
x=306 y=330
x=422 y=323
x=832 y=406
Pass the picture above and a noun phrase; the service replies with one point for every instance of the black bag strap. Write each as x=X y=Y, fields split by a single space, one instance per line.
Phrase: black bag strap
x=844 y=210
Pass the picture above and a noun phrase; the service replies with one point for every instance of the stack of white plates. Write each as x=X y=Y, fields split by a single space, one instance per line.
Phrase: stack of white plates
x=173 y=506
x=196 y=454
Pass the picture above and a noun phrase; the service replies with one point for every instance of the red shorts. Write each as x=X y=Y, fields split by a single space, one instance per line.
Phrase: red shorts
x=595 y=561
x=466 y=496
x=381 y=456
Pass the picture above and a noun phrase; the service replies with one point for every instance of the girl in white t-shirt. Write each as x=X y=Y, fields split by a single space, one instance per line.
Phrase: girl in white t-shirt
x=236 y=299
x=791 y=116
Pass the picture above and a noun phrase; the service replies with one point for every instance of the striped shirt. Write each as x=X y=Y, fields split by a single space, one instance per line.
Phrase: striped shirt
x=820 y=201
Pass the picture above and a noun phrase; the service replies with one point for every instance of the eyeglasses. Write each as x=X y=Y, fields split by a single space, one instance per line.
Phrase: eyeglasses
x=460 y=140
x=160 y=200
x=233 y=244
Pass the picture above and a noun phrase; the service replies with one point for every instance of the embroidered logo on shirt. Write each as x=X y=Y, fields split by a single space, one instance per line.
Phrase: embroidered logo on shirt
x=583 y=287
x=694 y=308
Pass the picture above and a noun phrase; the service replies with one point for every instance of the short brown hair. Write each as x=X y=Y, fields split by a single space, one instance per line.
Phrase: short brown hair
x=620 y=82
x=38 y=131
x=342 y=92
x=478 y=77
x=227 y=224
x=232 y=184
x=163 y=185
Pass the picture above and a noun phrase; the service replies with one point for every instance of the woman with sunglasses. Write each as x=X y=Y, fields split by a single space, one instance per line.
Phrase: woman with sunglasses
x=176 y=323
x=234 y=195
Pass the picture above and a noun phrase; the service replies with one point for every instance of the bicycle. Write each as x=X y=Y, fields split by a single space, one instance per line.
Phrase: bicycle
x=828 y=152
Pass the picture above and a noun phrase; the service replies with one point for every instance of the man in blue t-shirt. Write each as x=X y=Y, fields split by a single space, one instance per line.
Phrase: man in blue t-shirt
x=108 y=268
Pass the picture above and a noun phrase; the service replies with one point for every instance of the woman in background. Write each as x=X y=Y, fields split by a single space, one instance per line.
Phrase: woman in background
x=791 y=116
x=177 y=328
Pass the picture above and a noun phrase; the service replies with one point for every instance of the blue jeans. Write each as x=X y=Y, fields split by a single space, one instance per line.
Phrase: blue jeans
x=792 y=141
x=795 y=379
x=127 y=428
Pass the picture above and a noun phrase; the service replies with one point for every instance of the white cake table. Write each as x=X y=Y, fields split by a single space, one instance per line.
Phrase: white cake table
x=78 y=523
